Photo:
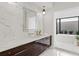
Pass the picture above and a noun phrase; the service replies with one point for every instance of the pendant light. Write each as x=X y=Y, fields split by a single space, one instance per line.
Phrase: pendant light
x=44 y=11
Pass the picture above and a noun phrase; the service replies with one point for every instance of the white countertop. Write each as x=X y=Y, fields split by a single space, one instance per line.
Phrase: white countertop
x=11 y=43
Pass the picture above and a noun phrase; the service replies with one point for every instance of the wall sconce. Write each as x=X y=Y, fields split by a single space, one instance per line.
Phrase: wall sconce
x=44 y=11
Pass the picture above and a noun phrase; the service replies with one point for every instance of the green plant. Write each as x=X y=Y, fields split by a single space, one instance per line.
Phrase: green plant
x=77 y=32
x=65 y=32
x=61 y=32
x=70 y=32
x=77 y=37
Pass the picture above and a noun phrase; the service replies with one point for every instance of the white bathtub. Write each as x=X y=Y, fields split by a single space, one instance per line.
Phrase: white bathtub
x=67 y=42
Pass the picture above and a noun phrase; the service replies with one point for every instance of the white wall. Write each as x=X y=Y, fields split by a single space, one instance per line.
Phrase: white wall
x=10 y=19
x=11 y=22
x=66 y=41
x=67 y=12
x=48 y=22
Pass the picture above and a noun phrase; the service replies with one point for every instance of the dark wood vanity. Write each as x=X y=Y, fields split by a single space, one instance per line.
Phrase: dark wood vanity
x=34 y=48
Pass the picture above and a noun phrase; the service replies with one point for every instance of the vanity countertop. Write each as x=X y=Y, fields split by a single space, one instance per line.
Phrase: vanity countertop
x=6 y=44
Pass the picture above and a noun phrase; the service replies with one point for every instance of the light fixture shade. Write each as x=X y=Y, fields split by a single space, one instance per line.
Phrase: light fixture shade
x=44 y=12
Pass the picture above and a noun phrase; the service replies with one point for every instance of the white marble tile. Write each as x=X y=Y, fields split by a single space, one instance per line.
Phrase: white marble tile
x=56 y=52
x=48 y=52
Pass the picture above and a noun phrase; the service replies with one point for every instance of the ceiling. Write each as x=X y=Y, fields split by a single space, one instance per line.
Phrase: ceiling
x=65 y=5
x=57 y=6
x=48 y=5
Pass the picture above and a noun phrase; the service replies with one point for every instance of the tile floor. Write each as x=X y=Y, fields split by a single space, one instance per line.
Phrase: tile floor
x=57 y=52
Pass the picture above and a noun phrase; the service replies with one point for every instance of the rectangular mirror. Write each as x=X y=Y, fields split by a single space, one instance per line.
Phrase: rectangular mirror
x=30 y=24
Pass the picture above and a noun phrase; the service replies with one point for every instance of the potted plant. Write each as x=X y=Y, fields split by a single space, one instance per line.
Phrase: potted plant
x=65 y=32
x=70 y=32
x=61 y=32
x=77 y=32
x=77 y=38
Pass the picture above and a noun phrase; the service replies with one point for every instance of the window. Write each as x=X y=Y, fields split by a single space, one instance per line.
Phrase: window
x=67 y=25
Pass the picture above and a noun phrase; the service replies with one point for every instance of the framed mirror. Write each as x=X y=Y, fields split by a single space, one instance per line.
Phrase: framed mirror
x=30 y=21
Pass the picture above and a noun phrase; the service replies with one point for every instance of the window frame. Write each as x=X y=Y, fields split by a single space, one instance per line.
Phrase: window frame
x=58 y=31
